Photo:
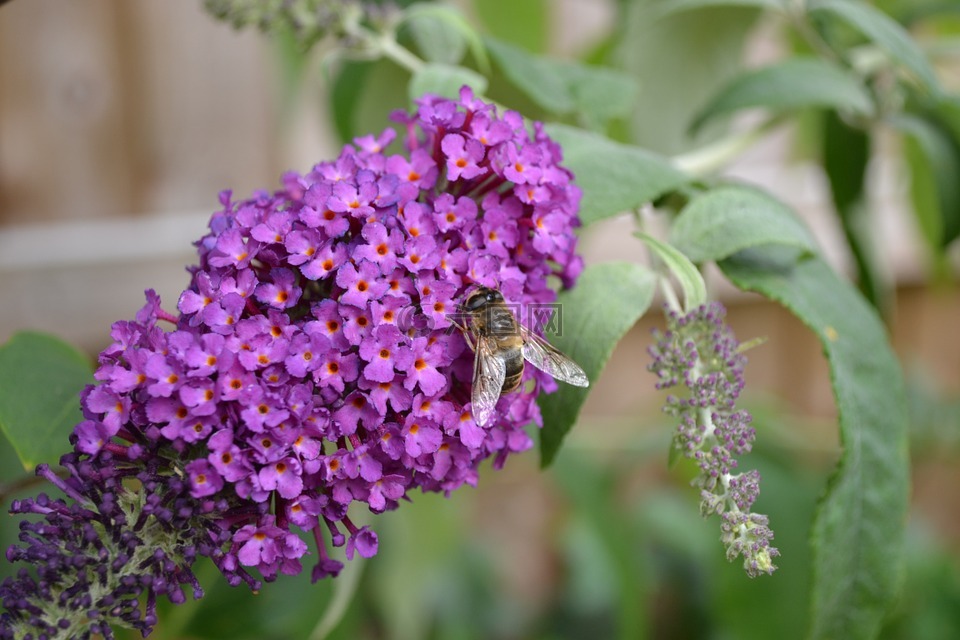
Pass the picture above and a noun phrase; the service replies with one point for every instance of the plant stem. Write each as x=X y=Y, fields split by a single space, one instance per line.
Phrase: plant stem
x=716 y=155
x=386 y=44
x=401 y=55
x=344 y=589
x=25 y=482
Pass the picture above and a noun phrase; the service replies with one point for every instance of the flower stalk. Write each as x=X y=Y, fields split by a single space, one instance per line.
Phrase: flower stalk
x=699 y=354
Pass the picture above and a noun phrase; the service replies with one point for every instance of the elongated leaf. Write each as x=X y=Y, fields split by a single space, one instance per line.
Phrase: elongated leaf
x=620 y=574
x=947 y=116
x=858 y=533
x=691 y=282
x=536 y=76
x=444 y=80
x=669 y=7
x=729 y=219
x=845 y=154
x=599 y=93
x=682 y=60
x=614 y=177
x=608 y=299
x=292 y=61
x=346 y=92
x=886 y=33
x=451 y=21
x=40 y=379
x=524 y=23
x=795 y=83
x=948 y=110
x=595 y=93
x=934 y=160
x=436 y=41
x=364 y=94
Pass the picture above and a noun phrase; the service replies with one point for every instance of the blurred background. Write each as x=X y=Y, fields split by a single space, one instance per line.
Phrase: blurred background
x=121 y=120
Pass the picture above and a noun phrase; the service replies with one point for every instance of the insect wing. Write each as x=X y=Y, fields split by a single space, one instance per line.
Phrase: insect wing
x=489 y=372
x=548 y=359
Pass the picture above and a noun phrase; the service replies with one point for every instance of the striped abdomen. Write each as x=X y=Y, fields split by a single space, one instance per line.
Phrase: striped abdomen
x=502 y=327
x=513 y=359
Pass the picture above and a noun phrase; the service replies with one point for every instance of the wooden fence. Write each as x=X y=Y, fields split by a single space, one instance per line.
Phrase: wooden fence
x=121 y=120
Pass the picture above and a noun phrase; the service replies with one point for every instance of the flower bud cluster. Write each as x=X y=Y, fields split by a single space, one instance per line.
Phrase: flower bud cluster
x=699 y=353
x=307 y=20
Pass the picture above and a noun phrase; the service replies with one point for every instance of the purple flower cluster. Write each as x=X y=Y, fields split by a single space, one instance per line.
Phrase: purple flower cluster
x=314 y=364
x=699 y=351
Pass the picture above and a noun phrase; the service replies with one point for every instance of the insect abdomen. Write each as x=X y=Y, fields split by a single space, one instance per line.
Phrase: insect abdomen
x=513 y=361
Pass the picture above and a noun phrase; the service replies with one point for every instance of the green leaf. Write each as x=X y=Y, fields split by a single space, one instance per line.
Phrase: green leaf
x=292 y=61
x=436 y=41
x=40 y=379
x=614 y=177
x=947 y=116
x=729 y=219
x=596 y=93
x=599 y=93
x=858 y=533
x=674 y=453
x=520 y=22
x=948 y=110
x=442 y=32
x=346 y=91
x=665 y=8
x=687 y=275
x=444 y=80
x=885 y=32
x=608 y=300
x=795 y=83
x=364 y=94
x=682 y=60
x=846 y=151
x=536 y=76
x=933 y=156
x=625 y=576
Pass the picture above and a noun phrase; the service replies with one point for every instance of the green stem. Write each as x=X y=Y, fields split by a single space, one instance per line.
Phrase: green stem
x=386 y=44
x=344 y=588
x=399 y=54
x=800 y=20
x=718 y=154
x=669 y=295
x=23 y=483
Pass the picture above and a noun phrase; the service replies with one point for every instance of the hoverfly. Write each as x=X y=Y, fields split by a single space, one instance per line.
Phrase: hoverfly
x=501 y=345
